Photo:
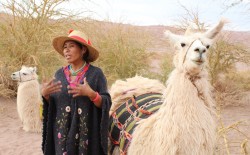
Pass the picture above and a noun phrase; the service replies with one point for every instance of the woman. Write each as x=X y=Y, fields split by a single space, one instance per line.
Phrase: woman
x=76 y=102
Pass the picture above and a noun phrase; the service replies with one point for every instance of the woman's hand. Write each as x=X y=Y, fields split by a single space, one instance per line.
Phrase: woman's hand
x=50 y=88
x=82 y=90
x=85 y=90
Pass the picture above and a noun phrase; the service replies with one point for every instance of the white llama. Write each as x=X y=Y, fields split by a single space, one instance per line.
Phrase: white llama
x=28 y=98
x=184 y=123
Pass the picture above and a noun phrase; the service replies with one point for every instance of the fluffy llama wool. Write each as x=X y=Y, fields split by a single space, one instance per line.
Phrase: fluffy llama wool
x=121 y=90
x=28 y=99
x=183 y=125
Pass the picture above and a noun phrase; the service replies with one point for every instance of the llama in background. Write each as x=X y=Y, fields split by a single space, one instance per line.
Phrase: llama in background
x=28 y=98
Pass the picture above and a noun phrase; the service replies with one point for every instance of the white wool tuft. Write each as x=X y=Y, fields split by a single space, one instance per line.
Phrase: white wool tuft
x=123 y=90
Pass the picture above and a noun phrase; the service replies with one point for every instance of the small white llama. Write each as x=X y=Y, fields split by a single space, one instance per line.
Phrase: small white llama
x=28 y=98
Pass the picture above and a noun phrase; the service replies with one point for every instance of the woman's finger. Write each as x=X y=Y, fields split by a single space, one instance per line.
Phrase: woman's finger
x=56 y=87
x=57 y=83
x=73 y=91
x=75 y=95
x=77 y=85
x=85 y=81
x=51 y=81
x=51 y=85
x=55 y=91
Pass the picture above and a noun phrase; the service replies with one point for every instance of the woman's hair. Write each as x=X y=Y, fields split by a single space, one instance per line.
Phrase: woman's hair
x=85 y=56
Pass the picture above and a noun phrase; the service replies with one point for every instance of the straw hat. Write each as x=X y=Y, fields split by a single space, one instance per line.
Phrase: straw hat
x=80 y=37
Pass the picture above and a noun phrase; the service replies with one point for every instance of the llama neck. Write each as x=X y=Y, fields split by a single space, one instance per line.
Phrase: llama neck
x=183 y=88
x=30 y=83
x=30 y=78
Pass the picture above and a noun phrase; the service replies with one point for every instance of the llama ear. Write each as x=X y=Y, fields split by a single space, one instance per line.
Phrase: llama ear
x=189 y=30
x=172 y=37
x=34 y=69
x=213 y=32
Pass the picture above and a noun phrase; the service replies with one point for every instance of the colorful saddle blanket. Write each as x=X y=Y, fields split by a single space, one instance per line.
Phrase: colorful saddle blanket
x=125 y=118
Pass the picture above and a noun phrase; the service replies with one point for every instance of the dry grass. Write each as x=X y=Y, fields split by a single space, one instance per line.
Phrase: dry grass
x=223 y=57
x=123 y=50
x=228 y=93
x=225 y=143
x=241 y=78
x=161 y=66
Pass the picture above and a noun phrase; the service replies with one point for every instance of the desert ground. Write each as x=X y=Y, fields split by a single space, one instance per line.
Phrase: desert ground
x=13 y=139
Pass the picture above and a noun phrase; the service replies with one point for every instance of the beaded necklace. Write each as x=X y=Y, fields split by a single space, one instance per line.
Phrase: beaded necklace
x=74 y=73
x=79 y=77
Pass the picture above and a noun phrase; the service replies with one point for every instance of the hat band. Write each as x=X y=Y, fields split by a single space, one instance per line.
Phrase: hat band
x=81 y=39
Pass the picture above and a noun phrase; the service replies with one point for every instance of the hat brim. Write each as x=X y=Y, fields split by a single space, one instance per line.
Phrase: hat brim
x=59 y=42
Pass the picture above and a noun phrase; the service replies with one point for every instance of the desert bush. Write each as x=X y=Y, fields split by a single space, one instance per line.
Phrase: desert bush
x=228 y=93
x=228 y=83
x=122 y=49
x=241 y=79
x=224 y=56
x=163 y=68
x=166 y=67
x=7 y=87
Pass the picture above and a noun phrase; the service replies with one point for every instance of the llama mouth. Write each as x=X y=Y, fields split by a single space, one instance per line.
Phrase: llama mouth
x=198 y=62
x=13 y=77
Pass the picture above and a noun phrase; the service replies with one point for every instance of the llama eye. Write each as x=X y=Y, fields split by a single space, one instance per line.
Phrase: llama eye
x=183 y=44
x=24 y=74
x=207 y=46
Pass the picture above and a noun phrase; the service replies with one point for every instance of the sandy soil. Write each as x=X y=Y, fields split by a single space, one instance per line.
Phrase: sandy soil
x=15 y=141
x=237 y=121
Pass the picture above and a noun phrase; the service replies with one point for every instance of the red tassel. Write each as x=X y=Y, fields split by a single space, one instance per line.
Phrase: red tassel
x=89 y=42
x=70 y=31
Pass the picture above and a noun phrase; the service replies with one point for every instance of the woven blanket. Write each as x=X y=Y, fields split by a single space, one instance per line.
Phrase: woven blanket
x=125 y=118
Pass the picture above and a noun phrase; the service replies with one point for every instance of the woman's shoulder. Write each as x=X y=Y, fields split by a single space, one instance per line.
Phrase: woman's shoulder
x=95 y=69
x=59 y=71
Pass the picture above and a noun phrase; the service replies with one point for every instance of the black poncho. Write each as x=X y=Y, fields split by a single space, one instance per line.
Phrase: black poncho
x=75 y=126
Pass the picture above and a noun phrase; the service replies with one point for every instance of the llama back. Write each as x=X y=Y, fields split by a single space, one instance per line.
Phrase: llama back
x=123 y=90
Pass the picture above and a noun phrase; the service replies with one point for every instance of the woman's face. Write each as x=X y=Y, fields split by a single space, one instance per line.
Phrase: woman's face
x=73 y=52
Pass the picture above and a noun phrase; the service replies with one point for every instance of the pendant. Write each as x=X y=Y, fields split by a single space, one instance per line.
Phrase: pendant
x=73 y=73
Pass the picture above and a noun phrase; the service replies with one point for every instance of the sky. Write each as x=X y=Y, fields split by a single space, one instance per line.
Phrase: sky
x=165 y=12
x=162 y=12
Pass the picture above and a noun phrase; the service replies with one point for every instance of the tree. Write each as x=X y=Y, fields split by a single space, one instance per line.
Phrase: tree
x=233 y=3
x=28 y=27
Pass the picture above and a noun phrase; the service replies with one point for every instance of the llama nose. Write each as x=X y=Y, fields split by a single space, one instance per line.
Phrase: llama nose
x=200 y=50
